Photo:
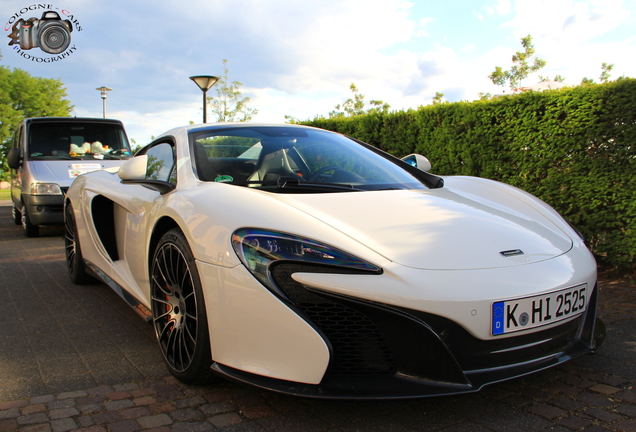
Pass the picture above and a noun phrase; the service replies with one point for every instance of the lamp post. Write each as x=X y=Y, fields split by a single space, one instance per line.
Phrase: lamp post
x=104 y=89
x=204 y=82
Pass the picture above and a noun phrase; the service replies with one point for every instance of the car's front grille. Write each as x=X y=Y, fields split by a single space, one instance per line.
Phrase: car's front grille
x=369 y=338
x=475 y=354
x=358 y=347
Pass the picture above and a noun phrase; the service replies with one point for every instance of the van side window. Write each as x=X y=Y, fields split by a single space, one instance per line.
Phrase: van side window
x=18 y=141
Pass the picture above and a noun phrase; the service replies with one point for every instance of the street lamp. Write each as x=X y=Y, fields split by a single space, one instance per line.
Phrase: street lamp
x=204 y=82
x=104 y=89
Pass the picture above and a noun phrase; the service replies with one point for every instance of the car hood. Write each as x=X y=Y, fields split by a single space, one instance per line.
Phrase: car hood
x=63 y=172
x=440 y=228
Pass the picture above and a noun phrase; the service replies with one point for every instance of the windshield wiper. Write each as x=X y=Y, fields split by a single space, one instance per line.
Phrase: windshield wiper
x=62 y=156
x=293 y=182
x=296 y=183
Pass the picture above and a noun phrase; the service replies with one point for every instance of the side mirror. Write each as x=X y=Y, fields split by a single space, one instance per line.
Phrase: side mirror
x=418 y=161
x=13 y=158
x=134 y=169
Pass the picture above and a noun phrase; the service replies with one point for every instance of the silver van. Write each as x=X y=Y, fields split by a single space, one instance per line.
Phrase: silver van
x=48 y=153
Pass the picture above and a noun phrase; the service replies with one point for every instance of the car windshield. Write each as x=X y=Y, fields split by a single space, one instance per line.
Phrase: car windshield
x=293 y=159
x=77 y=140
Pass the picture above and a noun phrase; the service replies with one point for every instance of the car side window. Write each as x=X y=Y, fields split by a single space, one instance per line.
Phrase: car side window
x=161 y=163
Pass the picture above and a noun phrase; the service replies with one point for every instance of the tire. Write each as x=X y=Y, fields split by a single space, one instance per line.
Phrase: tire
x=74 y=260
x=17 y=216
x=178 y=310
x=28 y=228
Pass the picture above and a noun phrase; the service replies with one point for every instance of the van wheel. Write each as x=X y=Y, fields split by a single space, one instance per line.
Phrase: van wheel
x=17 y=216
x=29 y=229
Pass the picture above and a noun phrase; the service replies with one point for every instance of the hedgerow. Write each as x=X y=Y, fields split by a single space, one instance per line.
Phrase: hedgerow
x=575 y=148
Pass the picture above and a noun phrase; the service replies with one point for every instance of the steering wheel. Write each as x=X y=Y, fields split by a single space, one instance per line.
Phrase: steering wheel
x=321 y=171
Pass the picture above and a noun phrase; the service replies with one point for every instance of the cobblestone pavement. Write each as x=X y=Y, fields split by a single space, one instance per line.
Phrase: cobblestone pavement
x=77 y=358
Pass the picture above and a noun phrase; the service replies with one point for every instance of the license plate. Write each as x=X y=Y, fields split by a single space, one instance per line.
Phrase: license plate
x=526 y=313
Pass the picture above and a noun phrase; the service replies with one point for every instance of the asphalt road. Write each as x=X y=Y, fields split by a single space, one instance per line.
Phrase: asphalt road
x=78 y=358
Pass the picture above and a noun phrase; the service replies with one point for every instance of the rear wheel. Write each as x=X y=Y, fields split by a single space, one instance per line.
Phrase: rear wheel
x=178 y=310
x=29 y=229
x=17 y=216
x=74 y=260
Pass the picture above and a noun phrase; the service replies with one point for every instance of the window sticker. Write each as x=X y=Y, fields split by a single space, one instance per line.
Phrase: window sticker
x=224 y=179
x=78 y=169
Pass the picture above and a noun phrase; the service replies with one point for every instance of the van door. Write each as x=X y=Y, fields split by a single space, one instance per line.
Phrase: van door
x=17 y=175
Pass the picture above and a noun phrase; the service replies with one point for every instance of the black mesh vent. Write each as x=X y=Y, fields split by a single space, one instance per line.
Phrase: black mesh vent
x=358 y=347
x=475 y=354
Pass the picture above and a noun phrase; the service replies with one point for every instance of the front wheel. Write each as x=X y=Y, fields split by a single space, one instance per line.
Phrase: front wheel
x=178 y=310
x=30 y=230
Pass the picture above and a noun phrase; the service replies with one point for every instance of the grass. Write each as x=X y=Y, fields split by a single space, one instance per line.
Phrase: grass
x=5 y=194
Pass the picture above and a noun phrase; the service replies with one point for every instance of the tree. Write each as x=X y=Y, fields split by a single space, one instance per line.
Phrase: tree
x=521 y=66
x=22 y=96
x=353 y=107
x=606 y=68
x=228 y=104
x=605 y=72
x=438 y=98
x=349 y=108
x=557 y=78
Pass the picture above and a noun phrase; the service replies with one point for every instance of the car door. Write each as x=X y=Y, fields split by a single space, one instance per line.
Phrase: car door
x=135 y=205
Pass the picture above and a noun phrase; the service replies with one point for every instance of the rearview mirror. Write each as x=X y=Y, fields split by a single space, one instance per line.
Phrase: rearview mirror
x=418 y=161
x=13 y=158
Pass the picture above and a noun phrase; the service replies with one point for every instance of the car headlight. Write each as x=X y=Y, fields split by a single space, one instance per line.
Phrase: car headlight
x=259 y=250
x=45 y=189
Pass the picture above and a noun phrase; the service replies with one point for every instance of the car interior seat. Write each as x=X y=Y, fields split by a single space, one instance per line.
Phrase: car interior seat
x=205 y=171
x=271 y=166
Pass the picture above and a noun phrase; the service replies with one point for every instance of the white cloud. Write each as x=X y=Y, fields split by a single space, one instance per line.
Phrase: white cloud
x=498 y=7
x=423 y=23
x=568 y=35
x=299 y=57
x=566 y=21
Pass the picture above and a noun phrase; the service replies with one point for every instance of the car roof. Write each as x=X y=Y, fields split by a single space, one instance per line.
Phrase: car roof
x=236 y=125
x=70 y=119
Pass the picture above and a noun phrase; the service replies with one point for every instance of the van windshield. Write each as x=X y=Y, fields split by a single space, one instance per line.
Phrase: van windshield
x=77 y=140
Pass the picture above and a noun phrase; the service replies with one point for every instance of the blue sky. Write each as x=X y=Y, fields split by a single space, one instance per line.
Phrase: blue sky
x=298 y=57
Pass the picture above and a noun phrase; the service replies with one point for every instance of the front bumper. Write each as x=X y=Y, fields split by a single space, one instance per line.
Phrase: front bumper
x=381 y=351
x=45 y=209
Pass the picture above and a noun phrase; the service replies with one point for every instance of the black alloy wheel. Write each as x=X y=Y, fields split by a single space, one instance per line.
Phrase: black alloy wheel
x=178 y=310
x=74 y=260
x=28 y=228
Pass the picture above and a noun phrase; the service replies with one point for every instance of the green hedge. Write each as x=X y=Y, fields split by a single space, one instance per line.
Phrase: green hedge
x=575 y=148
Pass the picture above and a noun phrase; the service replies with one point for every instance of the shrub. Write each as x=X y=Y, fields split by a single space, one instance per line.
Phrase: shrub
x=575 y=148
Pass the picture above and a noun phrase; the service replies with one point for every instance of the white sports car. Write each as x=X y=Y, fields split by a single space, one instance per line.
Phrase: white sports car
x=306 y=262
